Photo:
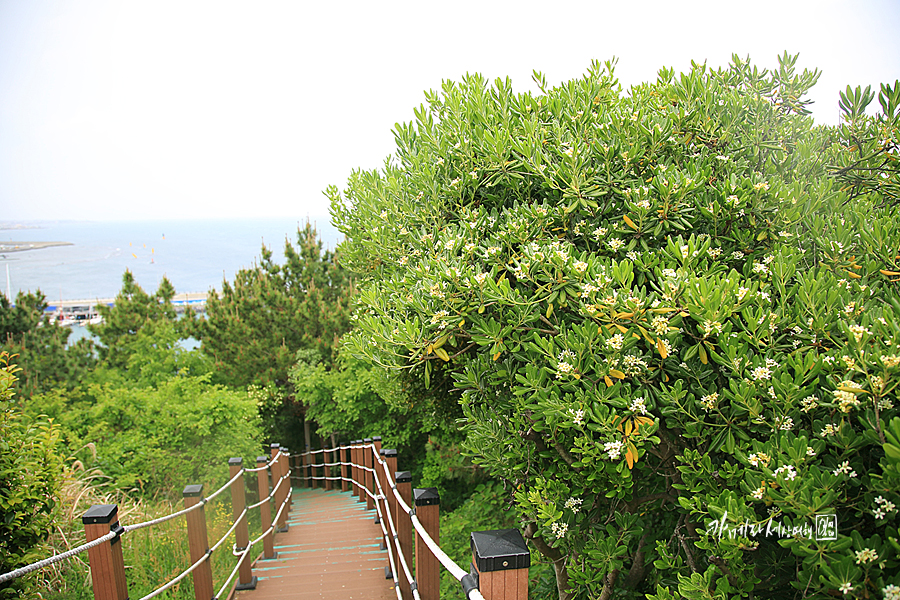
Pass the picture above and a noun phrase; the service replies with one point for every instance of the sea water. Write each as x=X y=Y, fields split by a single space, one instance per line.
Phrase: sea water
x=195 y=255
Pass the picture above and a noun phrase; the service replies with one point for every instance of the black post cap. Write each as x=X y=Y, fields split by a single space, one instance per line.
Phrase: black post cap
x=376 y=438
x=426 y=497
x=402 y=476
x=367 y=440
x=261 y=459
x=500 y=550
x=274 y=445
x=237 y=460
x=381 y=452
x=390 y=452
x=100 y=513
x=192 y=490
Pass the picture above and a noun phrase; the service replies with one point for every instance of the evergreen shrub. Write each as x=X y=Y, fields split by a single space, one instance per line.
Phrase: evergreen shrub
x=668 y=312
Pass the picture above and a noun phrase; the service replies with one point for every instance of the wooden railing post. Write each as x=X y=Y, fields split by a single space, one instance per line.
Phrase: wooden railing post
x=265 y=510
x=107 y=564
x=304 y=476
x=280 y=526
x=376 y=441
x=358 y=473
x=428 y=579
x=390 y=458
x=368 y=459
x=198 y=542
x=286 y=471
x=342 y=452
x=246 y=580
x=501 y=561
x=328 y=458
x=309 y=471
x=404 y=528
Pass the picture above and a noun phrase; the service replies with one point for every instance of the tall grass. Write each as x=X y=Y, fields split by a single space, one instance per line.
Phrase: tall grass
x=153 y=555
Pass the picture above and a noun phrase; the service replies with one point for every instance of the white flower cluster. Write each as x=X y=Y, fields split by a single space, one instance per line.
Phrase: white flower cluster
x=865 y=556
x=616 y=342
x=613 y=449
x=891 y=361
x=858 y=331
x=759 y=458
x=574 y=504
x=600 y=232
x=844 y=469
x=709 y=401
x=577 y=416
x=559 y=529
x=883 y=508
x=638 y=406
x=660 y=325
x=633 y=365
x=762 y=373
x=438 y=318
x=790 y=473
x=588 y=289
x=563 y=368
x=846 y=400
x=784 y=423
x=830 y=430
x=759 y=493
x=808 y=403
x=711 y=327
x=891 y=592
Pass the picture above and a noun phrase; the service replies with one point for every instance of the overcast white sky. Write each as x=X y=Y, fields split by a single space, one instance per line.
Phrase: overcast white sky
x=158 y=109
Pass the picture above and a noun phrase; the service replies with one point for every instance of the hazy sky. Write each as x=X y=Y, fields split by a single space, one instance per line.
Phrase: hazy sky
x=156 y=109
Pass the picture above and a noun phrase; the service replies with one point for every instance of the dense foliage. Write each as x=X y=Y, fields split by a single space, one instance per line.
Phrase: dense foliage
x=150 y=410
x=30 y=470
x=255 y=326
x=664 y=316
x=39 y=350
x=134 y=311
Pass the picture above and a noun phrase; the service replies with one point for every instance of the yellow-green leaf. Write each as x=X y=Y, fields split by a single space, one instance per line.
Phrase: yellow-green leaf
x=661 y=348
x=629 y=222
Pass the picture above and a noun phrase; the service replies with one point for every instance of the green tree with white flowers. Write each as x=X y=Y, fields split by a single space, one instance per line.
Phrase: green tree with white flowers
x=664 y=310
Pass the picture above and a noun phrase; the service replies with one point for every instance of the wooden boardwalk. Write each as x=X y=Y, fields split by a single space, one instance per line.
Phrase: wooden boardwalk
x=331 y=551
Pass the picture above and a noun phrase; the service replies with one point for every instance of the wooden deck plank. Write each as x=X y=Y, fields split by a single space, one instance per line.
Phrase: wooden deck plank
x=331 y=551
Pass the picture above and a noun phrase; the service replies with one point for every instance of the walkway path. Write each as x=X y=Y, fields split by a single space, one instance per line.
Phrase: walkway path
x=331 y=552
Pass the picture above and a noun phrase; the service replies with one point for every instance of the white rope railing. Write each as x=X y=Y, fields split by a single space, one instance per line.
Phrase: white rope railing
x=472 y=593
x=55 y=559
x=134 y=527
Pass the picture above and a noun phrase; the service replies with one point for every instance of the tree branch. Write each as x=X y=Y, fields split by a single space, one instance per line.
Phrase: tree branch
x=557 y=559
x=608 y=585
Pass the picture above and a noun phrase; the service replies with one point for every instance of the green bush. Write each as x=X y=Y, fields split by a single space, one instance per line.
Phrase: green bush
x=30 y=471
x=158 y=440
x=663 y=315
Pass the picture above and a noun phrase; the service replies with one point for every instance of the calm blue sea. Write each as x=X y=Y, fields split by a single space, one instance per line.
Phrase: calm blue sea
x=194 y=254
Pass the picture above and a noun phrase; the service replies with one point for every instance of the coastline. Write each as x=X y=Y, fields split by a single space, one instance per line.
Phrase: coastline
x=9 y=247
